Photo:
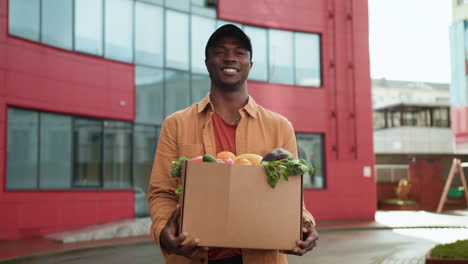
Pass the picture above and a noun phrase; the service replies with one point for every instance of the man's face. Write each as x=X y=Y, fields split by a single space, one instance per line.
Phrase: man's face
x=228 y=64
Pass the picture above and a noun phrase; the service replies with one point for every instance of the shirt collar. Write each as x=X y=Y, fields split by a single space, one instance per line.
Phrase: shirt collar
x=251 y=107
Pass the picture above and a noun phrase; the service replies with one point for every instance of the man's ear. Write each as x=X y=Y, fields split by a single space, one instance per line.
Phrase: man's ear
x=251 y=64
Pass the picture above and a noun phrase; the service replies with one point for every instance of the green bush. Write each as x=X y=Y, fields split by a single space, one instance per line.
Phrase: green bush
x=458 y=249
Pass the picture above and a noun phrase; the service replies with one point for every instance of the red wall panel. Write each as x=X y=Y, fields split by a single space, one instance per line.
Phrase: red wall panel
x=300 y=15
x=32 y=213
x=45 y=78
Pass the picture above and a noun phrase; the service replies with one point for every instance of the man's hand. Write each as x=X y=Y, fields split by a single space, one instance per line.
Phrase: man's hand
x=173 y=242
x=309 y=239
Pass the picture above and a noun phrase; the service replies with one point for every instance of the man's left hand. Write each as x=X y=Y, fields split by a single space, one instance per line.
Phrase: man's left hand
x=308 y=242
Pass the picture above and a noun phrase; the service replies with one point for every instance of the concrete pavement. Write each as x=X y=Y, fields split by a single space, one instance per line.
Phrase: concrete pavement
x=394 y=237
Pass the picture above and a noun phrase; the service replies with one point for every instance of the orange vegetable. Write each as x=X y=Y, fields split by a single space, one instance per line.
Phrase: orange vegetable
x=243 y=162
x=226 y=155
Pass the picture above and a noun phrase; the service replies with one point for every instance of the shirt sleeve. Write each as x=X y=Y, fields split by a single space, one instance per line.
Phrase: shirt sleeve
x=161 y=190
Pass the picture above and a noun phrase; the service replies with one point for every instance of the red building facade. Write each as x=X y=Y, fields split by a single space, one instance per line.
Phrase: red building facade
x=36 y=76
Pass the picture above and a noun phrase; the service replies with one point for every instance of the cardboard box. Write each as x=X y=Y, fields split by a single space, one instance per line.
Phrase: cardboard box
x=228 y=205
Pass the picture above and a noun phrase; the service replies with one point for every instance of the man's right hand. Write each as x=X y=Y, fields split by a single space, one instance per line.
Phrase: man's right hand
x=173 y=242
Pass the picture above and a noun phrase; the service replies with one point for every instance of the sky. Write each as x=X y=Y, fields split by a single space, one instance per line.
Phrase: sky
x=409 y=39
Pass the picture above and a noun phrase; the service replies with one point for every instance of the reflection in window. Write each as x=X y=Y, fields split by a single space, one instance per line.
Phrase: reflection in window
x=144 y=148
x=158 y=2
x=56 y=23
x=55 y=151
x=149 y=95
x=441 y=117
x=119 y=30
x=177 y=91
x=24 y=18
x=117 y=154
x=203 y=11
x=203 y=27
x=307 y=59
x=259 y=38
x=87 y=152
x=200 y=87
x=310 y=148
x=148 y=34
x=281 y=56
x=183 y=5
x=88 y=26
x=22 y=149
x=177 y=40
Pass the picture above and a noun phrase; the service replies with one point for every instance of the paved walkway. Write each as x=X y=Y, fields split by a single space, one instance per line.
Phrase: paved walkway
x=388 y=226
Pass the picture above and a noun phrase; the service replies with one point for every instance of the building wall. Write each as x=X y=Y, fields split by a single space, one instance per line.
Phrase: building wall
x=39 y=77
x=36 y=76
x=340 y=109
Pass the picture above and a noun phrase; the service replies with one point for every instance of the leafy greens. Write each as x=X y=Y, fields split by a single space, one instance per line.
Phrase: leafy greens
x=176 y=166
x=282 y=169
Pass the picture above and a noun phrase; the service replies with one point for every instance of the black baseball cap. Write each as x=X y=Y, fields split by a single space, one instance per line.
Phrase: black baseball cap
x=232 y=31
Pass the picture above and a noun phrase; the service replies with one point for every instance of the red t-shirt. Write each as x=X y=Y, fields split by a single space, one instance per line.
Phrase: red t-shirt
x=225 y=139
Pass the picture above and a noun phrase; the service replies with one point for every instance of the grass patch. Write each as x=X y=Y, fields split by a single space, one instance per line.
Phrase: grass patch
x=458 y=249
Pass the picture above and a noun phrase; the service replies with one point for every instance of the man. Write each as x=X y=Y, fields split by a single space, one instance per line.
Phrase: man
x=225 y=120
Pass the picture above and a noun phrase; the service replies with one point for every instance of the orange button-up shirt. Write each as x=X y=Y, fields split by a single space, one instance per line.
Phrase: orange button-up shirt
x=189 y=133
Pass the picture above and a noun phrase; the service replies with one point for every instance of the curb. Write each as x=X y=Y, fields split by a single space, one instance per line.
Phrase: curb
x=333 y=229
x=91 y=248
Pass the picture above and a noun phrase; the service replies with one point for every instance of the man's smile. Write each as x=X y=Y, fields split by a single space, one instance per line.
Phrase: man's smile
x=230 y=70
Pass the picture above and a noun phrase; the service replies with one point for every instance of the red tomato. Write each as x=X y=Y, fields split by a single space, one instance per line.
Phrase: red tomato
x=197 y=159
x=227 y=161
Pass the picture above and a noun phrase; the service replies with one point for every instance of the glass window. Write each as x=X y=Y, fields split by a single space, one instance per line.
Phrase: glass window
x=258 y=37
x=177 y=40
x=198 y=2
x=219 y=23
x=310 y=148
x=281 y=56
x=201 y=85
x=183 y=5
x=379 y=120
x=203 y=11
x=119 y=30
x=177 y=91
x=24 y=18
x=307 y=59
x=441 y=117
x=149 y=84
x=148 y=34
x=144 y=148
x=395 y=119
x=202 y=28
x=158 y=2
x=87 y=147
x=56 y=23
x=89 y=26
x=22 y=149
x=55 y=151
x=117 y=154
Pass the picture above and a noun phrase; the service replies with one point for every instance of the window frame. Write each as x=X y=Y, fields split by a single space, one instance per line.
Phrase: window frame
x=322 y=138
